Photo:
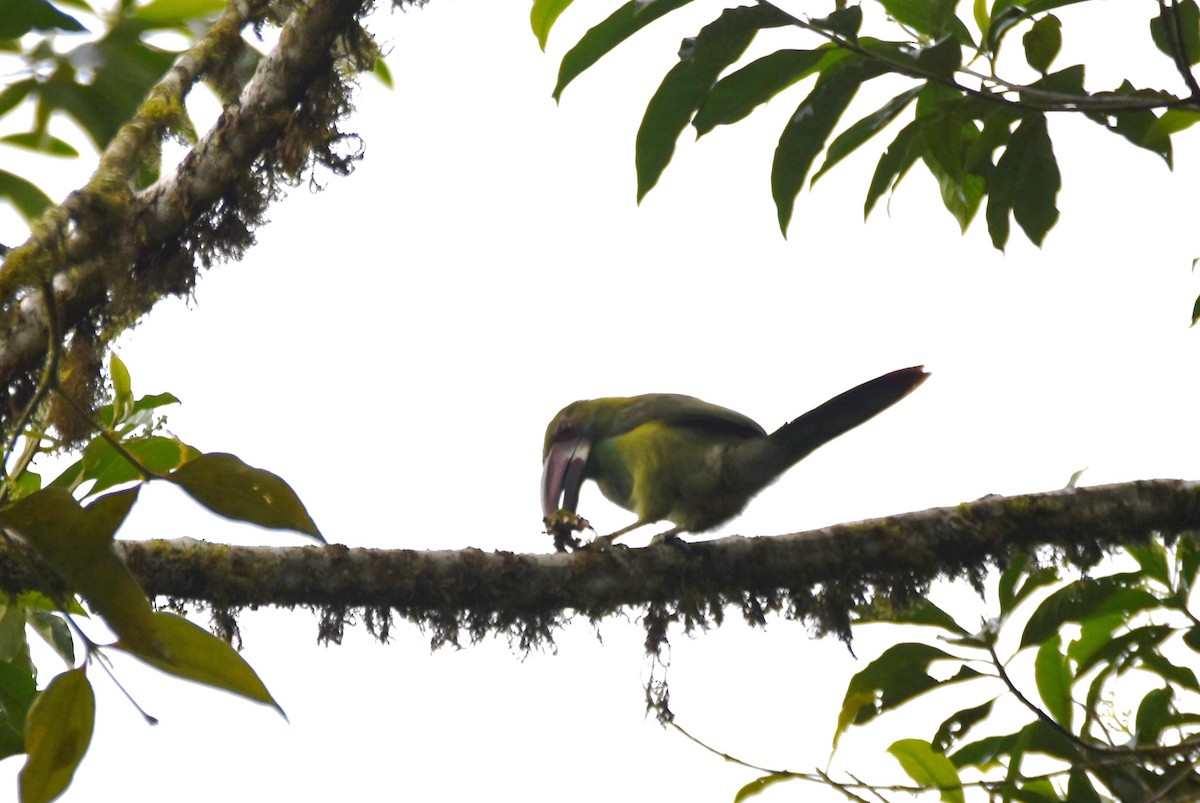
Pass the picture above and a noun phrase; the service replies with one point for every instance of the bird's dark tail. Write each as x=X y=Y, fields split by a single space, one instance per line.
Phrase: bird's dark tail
x=761 y=461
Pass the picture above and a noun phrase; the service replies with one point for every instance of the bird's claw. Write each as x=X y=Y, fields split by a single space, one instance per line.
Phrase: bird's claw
x=561 y=525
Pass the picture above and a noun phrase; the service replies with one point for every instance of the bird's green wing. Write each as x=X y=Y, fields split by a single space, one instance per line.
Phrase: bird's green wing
x=687 y=411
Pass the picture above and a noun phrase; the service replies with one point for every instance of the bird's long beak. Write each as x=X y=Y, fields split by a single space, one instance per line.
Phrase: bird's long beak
x=562 y=475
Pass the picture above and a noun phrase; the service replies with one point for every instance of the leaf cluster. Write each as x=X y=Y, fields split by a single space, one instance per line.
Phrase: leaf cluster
x=67 y=526
x=1093 y=642
x=983 y=138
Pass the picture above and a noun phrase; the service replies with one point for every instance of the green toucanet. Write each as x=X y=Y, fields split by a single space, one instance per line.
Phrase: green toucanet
x=675 y=458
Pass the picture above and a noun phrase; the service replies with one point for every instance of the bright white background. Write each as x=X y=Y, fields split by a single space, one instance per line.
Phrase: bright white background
x=395 y=345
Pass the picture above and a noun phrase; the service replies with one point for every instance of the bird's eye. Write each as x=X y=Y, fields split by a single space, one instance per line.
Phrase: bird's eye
x=566 y=427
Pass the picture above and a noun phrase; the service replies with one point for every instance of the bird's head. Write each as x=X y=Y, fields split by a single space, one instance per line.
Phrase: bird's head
x=569 y=439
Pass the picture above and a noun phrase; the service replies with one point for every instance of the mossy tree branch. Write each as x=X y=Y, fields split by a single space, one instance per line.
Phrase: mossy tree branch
x=818 y=576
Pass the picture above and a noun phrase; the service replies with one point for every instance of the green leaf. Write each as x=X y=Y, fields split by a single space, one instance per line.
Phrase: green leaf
x=1037 y=736
x=921 y=612
x=228 y=487
x=1179 y=676
x=1122 y=651
x=171 y=13
x=942 y=58
x=58 y=731
x=1139 y=126
x=895 y=677
x=30 y=201
x=542 y=17
x=1080 y=788
x=805 y=134
x=13 y=644
x=54 y=630
x=687 y=84
x=122 y=388
x=928 y=767
x=893 y=164
x=107 y=467
x=1192 y=638
x=77 y=542
x=1042 y=42
x=845 y=22
x=1172 y=32
x=19 y=17
x=104 y=414
x=1152 y=558
x=1084 y=599
x=1016 y=583
x=758 y=785
x=956 y=726
x=864 y=129
x=18 y=690
x=1172 y=121
x=191 y=652
x=1153 y=716
x=1052 y=673
x=1026 y=182
x=41 y=143
x=600 y=40
x=1094 y=633
x=946 y=140
x=14 y=93
x=736 y=95
x=932 y=18
x=383 y=72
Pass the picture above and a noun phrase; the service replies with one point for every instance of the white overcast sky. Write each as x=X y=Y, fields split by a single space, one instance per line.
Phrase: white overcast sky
x=395 y=345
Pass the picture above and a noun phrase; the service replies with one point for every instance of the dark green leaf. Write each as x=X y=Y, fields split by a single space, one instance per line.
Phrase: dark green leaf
x=1037 y=736
x=78 y=543
x=1153 y=716
x=758 y=785
x=947 y=136
x=41 y=143
x=687 y=84
x=1122 y=650
x=58 y=731
x=942 y=58
x=228 y=487
x=805 y=134
x=1016 y=583
x=928 y=767
x=1139 y=126
x=1172 y=121
x=30 y=201
x=1052 y=674
x=1026 y=181
x=54 y=630
x=12 y=634
x=18 y=689
x=1178 y=31
x=895 y=677
x=1192 y=638
x=542 y=17
x=864 y=129
x=19 y=17
x=736 y=95
x=956 y=726
x=14 y=93
x=1042 y=42
x=619 y=26
x=893 y=164
x=932 y=18
x=1080 y=788
x=1084 y=599
x=845 y=22
x=191 y=652
x=922 y=612
x=1152 y=558
x=1067 y=81
x=1160 y=665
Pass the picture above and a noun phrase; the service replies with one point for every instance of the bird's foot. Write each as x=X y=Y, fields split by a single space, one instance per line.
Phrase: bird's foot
x=561 y=525
x=670 y=537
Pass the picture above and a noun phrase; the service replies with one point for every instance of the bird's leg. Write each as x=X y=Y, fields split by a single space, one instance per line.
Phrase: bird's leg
x=604 y=541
